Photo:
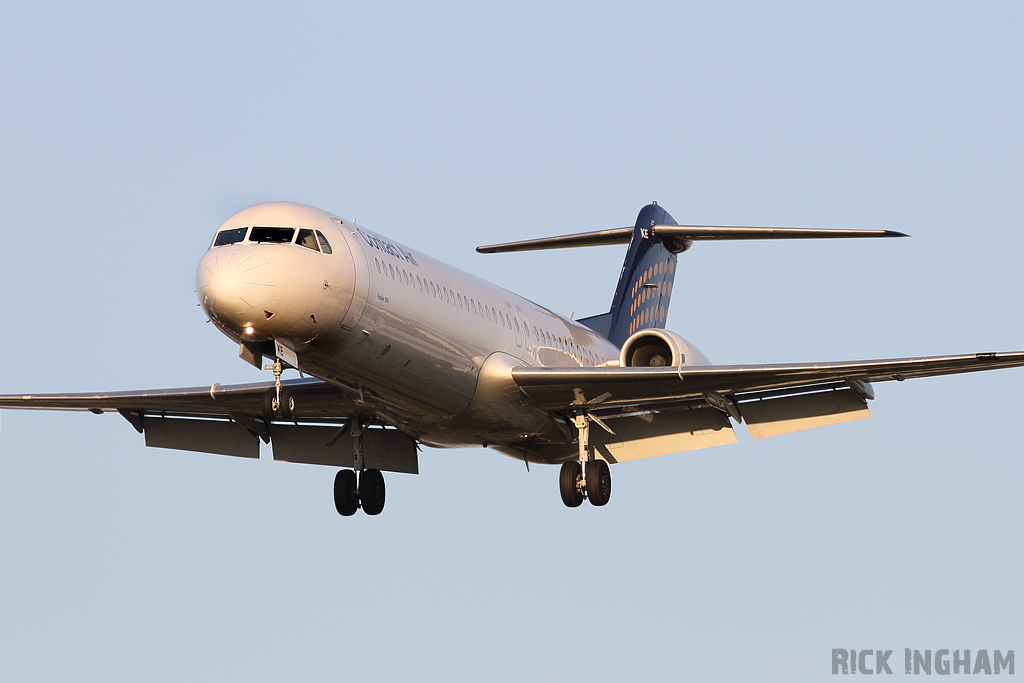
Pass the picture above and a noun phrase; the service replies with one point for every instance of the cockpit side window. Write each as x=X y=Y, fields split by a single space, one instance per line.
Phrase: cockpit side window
x=272 y=235
x=306 y=239
x=230 y=236
x=324 y=244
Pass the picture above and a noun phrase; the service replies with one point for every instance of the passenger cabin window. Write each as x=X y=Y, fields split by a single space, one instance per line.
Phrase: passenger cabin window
x=324 y=244
x=272 y=235
x=229 y=236
x=306 y=239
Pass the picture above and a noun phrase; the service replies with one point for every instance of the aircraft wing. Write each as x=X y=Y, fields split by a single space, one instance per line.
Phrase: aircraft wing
x=646 y=412
x=604 y=388
x=315 y=401
x=231 y=420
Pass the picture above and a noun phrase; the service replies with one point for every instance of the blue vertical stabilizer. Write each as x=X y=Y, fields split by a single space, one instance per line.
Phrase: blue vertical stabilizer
x=645 y=284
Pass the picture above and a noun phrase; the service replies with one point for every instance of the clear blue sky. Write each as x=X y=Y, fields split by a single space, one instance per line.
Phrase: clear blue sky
x=129 y=132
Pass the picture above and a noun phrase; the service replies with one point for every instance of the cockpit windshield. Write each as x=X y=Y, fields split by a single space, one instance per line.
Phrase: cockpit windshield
x=307 y=240
x=267 y=235
x=324 y=243
x=229 y=236
x=272 y=235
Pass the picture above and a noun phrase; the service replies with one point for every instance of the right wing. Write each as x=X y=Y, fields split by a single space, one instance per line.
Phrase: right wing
x=316 y=400
x=230 y=420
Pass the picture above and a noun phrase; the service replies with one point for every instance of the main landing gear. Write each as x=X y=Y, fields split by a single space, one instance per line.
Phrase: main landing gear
x=589 y=477
x=358 y=486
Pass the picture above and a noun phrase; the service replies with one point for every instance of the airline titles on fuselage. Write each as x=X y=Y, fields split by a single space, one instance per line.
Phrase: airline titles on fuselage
x=386 y=247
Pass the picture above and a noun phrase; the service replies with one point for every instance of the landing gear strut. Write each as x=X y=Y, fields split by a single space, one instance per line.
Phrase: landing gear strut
x=276 y=367
x=589 y=477
x=358 y=487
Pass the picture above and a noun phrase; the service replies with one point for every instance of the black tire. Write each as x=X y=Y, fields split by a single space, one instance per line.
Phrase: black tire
x=568 y=480
x=268 y=407
x=346 y=498
x=371 y=492
x=599 y=482
x=287 y=408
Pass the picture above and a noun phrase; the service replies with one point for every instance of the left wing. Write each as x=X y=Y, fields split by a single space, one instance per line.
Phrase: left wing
x=556 y=388
x=646 y=412
x=771 y=399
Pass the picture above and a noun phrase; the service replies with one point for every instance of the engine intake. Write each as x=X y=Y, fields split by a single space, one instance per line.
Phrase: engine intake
x=659 y=348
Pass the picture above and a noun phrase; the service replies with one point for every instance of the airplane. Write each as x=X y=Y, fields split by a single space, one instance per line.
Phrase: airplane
x=396 y=349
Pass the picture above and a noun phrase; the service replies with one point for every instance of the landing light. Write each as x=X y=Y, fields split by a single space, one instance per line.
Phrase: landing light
x=248 y=329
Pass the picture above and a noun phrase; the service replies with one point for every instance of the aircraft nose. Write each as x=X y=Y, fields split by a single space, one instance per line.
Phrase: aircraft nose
x=233 y=282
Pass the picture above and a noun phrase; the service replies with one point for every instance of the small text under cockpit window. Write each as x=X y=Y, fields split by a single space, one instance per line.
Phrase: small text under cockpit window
x=306 y=239
x=272 y=235
x=229 y=236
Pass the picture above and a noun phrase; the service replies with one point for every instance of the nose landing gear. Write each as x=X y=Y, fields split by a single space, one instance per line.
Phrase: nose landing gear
x=358 y=487
x=275 y=404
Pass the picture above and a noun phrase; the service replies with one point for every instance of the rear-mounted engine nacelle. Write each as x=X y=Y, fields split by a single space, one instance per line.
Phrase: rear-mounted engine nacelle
x=659 y=348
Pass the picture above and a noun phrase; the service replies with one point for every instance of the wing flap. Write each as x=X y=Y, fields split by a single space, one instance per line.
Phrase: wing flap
x=769 y=417
x=656 y=434
x=384 y=449
x=202 y=436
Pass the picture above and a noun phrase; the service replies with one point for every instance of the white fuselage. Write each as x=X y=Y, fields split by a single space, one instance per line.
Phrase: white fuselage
x=418 y=343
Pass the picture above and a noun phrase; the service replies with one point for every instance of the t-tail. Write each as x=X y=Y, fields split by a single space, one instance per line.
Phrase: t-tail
x=644 y=290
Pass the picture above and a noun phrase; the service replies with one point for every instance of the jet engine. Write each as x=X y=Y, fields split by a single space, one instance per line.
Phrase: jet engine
x=659 y=348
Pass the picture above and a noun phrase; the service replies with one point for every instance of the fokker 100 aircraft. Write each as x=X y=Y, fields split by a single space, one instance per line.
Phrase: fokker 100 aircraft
x=397 y=349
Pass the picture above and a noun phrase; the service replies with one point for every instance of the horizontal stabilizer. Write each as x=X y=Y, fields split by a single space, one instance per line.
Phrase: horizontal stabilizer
x=681 y=233
x=717 y=232
x=580 y=239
